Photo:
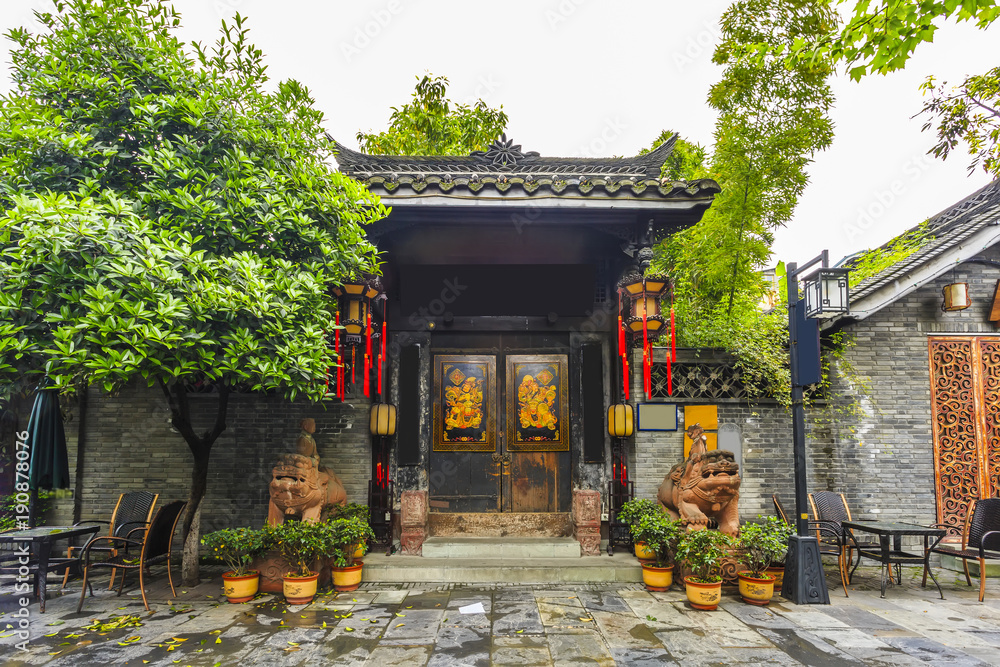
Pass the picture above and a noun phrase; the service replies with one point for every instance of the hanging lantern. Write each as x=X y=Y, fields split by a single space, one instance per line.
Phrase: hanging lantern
x=956 y=297
x=383 y=419
x=644 y=294
x=621 y=420
x=355 y=300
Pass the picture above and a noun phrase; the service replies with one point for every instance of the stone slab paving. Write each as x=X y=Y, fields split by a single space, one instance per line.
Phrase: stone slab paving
x=385 y=624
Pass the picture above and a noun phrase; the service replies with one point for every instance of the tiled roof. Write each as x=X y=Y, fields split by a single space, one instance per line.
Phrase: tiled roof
x=947 y=230
x=504 y=168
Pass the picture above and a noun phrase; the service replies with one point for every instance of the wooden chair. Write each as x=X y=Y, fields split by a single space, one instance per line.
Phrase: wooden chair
x=154 y=547
x=829 y=537
x=980 y=541
x=133 y=510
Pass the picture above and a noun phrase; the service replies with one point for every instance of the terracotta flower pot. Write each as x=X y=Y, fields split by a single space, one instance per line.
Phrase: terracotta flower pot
x=299 y=590
x=644 y=553
x=347 y=578
x=657 y=578
x=240 y=589
x=703 y=596
x=754 y=590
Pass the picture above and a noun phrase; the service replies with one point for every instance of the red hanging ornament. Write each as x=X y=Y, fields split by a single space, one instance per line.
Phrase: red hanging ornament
x=368 y=351
x=338 y=388
x=381 y=359
x=354 y=358
x=646 y=349
x=625 y=375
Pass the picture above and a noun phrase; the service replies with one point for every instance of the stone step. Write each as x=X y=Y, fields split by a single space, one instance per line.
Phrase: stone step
x=952 y=563
x=499 y=524
x=622 y=567
x=490 y=548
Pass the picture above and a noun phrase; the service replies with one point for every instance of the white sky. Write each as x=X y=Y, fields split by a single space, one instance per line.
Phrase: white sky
x=585 y=77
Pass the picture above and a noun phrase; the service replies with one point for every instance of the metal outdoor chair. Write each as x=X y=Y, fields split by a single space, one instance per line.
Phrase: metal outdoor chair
x=133 y=510
x=154 y=547
x=831 y=509
x=829 y=537
x=980 y=541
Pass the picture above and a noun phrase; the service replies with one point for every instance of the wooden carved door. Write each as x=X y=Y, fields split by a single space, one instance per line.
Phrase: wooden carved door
x=500 y=437
x=965 y=408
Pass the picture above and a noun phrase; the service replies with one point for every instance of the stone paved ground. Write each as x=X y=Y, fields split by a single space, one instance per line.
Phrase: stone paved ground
x=399 y=624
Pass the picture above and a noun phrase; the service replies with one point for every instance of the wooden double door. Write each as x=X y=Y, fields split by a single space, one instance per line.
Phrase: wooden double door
x=965 y=407
x=501 y=427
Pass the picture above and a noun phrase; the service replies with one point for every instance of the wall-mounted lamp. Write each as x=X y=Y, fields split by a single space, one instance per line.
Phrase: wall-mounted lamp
x=956 y=297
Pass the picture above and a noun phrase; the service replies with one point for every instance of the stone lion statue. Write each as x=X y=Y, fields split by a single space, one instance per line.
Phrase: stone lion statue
x=705 y=486
x=300 y=487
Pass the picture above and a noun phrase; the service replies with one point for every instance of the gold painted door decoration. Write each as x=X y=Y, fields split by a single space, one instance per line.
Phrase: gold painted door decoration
x=537 y=403
x=465 y=396
x=965 y=410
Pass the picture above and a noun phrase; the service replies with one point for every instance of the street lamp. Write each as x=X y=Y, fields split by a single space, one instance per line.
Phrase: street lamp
x=826 y=293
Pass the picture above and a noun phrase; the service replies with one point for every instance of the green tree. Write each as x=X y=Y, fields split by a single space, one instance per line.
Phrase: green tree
x=167 y=219
x=686 y=161
x=431 y=124
x=772 y=120
x=969 y=113
x=880 y=37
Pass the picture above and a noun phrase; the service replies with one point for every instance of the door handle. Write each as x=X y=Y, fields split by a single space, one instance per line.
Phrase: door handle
x=501 y=458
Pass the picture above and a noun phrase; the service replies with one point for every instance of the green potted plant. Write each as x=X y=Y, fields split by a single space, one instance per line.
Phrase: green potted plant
x=702 y=551
x=348 y=535
x=760 y=544
x=302 y=544
x=631 y=513
x=660 y=533
x=236 y=547
x=350 y=511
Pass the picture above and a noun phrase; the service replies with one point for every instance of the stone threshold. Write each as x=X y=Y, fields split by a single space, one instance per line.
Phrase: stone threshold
x=622 y=567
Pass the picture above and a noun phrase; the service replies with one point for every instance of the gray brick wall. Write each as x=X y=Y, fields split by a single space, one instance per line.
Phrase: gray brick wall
x=882 y=457
x=131 y=445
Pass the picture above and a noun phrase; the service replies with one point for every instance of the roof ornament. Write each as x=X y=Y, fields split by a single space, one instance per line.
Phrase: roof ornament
x=503 y=152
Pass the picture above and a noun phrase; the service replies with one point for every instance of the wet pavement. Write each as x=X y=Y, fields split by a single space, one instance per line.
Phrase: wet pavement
x=421 y=624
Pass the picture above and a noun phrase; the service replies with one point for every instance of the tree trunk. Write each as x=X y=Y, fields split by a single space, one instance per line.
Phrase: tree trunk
x=201 y=449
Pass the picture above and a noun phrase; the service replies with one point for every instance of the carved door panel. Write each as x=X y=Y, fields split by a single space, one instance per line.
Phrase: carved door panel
x=501 y=439
x=965 y=409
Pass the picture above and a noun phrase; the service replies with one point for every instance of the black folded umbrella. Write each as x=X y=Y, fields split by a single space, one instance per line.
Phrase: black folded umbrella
x=47 y=439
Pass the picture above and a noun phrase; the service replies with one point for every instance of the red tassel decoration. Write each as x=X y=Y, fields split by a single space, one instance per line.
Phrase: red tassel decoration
x=368 y=351
x=625 y=374
x=670 y=379
x=354 y=358
x=338 y=389
x=381 y=360
x=646 y=349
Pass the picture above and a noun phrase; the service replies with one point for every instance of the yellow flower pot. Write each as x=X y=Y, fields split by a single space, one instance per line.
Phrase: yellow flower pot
x=657 y=578
x=359 y=551
x=778 y=572
x=642 y=552
x=299 y=590
x=754 y=590
x=703 y=596
x=347 y=578
x=240 y=589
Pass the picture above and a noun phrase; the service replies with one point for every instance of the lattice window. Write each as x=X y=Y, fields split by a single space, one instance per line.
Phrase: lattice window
x=699 y=381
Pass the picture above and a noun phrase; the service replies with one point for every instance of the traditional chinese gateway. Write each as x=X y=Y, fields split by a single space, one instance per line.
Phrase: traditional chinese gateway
x=501 y=273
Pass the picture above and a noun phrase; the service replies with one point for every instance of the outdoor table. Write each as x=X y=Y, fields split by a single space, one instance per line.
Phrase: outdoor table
x=41 y=539
x=890 y=554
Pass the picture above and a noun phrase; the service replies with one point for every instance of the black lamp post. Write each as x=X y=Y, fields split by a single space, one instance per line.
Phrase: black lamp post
x=826 y=293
